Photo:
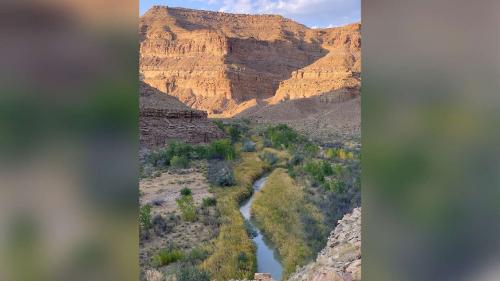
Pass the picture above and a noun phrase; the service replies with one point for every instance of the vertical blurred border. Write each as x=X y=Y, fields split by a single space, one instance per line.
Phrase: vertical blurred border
x=69 y=140
x=431 y=140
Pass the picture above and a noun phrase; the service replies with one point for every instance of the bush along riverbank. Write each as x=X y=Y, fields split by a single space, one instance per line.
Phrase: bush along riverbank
x=301 y=204
x=283 y=214
x=309 y=186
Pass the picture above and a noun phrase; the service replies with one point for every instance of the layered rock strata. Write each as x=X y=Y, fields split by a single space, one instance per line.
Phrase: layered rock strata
x=340 y=260
x=163 y=119
x=223 y=63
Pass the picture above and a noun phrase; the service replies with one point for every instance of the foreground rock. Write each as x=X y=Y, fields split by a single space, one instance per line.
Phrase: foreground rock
x=164 y=118
x=341 y=258
x=224 y=63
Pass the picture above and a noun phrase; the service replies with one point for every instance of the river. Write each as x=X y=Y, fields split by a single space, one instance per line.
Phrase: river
x=267 y=261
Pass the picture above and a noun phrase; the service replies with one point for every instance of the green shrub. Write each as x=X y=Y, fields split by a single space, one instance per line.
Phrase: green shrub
x=180 y=149
x=243 y=261
x=158 y=158
x=186 y=191
x=176 y=154
x=181 y=162
x=249 y=146
x=209 y=201
x=200 y=152
x=188 y=210
x=191 y=273
x=267 y=143
x=145 y=217
x=196 y=255
x=295 y=160
x=281 y=136
x=234 y=133
x=318 y=170
x=331 y=153
x=311 y=149
x=269 y=158
x=220 y=174
x=166 y=257
x=221 y=149
x=219 y=124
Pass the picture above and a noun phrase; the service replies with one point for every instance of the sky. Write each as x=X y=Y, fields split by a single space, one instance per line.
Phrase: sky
x=312 y=13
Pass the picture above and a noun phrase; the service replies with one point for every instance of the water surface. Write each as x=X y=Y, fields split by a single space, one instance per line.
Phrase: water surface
x=267 y=261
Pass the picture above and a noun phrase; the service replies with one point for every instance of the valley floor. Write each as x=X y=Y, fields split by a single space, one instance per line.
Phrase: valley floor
x=190 y=222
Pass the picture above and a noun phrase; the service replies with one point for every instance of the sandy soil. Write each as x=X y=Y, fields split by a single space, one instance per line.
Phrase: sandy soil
x=316 y=117
x=161 y=192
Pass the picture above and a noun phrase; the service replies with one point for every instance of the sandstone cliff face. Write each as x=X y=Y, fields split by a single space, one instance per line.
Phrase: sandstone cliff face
x=221 y=62
x=339 y=69
x=164 y=118
x=340 y=260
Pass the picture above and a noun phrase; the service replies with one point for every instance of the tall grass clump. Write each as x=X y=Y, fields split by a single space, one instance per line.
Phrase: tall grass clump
x=145 y=217
x=187 y=208
x=192 y=273
x=221 y=149
x=167 y=256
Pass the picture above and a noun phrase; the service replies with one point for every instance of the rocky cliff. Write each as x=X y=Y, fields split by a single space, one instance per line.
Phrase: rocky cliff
x=340 y=260
x=164 y=118
x=224 y=63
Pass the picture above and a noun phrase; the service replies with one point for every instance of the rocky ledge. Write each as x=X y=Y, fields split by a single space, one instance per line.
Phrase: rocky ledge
x=340 y=260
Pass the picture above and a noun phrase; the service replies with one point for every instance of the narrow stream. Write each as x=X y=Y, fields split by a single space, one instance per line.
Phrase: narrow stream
x=267 y=262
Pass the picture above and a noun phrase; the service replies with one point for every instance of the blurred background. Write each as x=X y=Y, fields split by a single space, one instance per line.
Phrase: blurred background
x=431 y=136
x=69 y=140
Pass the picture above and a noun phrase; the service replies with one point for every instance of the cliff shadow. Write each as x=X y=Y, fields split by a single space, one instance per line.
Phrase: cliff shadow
x=257 y=67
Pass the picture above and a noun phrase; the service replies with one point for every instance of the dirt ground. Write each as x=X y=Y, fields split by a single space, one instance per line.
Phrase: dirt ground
x=161 y=193
x=317 y=117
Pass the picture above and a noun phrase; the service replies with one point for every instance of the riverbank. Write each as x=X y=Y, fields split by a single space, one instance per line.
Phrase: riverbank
x=284 y=216
x=234 y=252
x=267 y=256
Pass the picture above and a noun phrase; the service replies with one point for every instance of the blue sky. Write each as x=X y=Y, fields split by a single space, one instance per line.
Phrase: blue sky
x=313 y=13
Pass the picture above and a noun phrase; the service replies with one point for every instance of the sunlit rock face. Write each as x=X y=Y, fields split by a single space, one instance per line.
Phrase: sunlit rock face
x=224 y=63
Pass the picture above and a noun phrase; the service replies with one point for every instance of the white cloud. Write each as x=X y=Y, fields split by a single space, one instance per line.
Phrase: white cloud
x=320 y=12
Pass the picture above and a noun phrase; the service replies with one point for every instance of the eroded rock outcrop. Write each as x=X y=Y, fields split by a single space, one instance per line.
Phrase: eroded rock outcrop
x=164 y=118
x=339 y=69
x=340 y=260
x=223 y=63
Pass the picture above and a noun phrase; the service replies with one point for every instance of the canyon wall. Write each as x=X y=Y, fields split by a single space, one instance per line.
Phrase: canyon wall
x=163 y=118
x=224 y=63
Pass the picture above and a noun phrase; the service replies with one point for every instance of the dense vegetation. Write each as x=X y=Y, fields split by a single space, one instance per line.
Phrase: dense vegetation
x=280 y=209
x=310 y=187
x=179 y=155
x=234 y=252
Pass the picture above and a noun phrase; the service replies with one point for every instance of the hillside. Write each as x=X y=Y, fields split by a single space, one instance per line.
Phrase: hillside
x=163 y=118
x=324 y=118
x=225 y=63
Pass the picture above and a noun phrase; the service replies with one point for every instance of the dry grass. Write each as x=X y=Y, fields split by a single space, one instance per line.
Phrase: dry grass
x=277 y=209
x=161 y=193
x=233 y=239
